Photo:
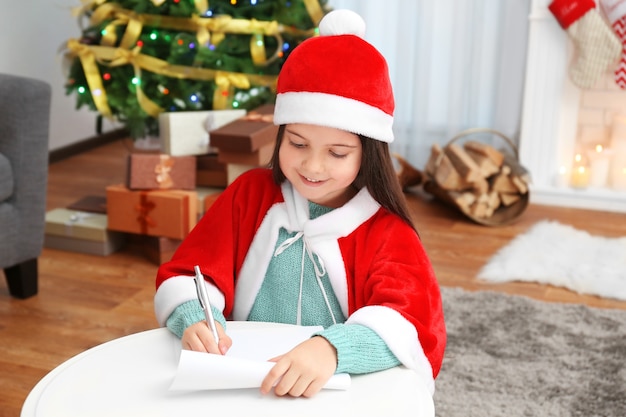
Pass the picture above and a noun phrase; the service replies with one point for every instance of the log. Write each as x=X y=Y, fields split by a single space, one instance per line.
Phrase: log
x=481 y=209
x=509 y=199
x=488 y=151
x=441 y=169
x=480 y=186
x=431 y=165
x=517 y=169
x=464 y=200
x=463 y=163
x=485 y=164
x=520 y=184
x=502 y=183
x=408 y=175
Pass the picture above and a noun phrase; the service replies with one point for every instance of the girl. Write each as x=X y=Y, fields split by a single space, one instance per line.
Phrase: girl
x=323 y=237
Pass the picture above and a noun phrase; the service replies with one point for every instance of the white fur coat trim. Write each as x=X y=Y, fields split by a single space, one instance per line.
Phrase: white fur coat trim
x=320 y=234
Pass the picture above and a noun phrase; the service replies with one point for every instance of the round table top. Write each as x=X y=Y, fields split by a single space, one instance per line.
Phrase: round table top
x=131 y=376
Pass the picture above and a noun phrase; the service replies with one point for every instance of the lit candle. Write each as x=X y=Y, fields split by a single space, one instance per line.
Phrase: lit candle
x=600 y=159
x=579 y=177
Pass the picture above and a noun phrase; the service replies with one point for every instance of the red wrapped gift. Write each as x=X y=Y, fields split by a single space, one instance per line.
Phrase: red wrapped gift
x=161 y=172
x=167 y=213
x=209 y=200
x=247 y=134
x=206 y=194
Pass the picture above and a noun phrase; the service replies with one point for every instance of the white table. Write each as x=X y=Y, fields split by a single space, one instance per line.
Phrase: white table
x=130 y=376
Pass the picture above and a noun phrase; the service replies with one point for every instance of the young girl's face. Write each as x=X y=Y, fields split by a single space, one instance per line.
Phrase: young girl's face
x=321 y=162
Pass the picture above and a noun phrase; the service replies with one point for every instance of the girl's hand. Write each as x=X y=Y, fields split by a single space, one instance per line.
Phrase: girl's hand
x=199 y=337
x=302 y=371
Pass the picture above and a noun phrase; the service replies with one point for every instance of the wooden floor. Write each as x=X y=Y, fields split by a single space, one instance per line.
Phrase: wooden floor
x=86 y=300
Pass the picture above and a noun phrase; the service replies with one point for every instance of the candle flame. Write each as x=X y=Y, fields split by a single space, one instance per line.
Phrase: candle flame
x=599 y=148
x=581 y=169
x=578 y=157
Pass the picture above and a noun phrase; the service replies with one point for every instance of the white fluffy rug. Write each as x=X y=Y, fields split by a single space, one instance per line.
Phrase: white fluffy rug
x=560 y=255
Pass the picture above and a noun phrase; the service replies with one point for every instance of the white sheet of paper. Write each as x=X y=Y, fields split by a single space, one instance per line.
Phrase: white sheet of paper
x=246 y=363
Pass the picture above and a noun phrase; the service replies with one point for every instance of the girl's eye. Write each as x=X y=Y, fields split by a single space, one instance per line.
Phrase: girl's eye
x=338 y=155
x=296 y=144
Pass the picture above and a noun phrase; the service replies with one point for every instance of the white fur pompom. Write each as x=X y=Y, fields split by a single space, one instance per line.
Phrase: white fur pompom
x=342 y=22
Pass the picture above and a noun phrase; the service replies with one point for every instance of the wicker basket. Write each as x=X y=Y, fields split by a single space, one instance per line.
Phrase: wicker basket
x=504 y=213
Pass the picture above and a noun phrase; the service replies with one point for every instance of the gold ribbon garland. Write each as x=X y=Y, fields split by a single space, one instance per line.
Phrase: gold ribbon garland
x=213 y=28
x=92 y=74
x=207 y=30
x=202 y=6
x=225 y=83
x=314 y=10
x=110 y=56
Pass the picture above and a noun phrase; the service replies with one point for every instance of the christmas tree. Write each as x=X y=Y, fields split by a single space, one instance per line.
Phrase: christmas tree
x=138 y=58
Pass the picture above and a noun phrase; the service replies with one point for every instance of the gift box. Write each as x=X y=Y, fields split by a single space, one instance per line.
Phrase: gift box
x=167 y=213
x=209 y=200
x=260 y=157
x=235 y=170
x=248 y=133
x=206 y=196
x=187 y=133
x=160 y=172
x=156 y=249
x=83 y=232
x=210 y=172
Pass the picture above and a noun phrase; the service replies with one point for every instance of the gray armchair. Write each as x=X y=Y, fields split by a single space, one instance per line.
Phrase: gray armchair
x=24 y=123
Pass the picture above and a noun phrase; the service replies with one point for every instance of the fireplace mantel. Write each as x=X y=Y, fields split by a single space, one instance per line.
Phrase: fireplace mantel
x=549 y=118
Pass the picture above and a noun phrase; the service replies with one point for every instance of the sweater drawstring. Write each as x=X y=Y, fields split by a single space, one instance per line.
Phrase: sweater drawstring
x=318 y=265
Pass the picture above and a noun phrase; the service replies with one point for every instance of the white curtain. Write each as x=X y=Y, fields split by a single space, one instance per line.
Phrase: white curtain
x=454 y=65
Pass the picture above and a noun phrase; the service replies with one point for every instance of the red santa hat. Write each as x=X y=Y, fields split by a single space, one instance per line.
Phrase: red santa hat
x=337 y=80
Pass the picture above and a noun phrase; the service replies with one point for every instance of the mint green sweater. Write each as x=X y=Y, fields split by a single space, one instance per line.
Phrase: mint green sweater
x=359 y=349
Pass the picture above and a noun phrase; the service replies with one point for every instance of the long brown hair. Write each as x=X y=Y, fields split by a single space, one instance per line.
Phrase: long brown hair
x=377 y=173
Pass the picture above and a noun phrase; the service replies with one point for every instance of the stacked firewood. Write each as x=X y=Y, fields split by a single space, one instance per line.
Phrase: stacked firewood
x=475 y=177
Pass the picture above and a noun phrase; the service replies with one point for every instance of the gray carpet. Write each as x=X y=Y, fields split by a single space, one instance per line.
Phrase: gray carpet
x=513 y=356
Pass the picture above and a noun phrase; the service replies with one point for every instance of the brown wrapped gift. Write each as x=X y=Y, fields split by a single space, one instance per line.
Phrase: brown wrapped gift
x=167 y=213
x=210 y=172
x=247 y=134
x=156 y=249
x=90 y=204
x=260 y=157
x=161 y=172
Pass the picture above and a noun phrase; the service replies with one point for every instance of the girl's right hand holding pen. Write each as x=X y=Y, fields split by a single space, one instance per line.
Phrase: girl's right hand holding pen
x=198 y=337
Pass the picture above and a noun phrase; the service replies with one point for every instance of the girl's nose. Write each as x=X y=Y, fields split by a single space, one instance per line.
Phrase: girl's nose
x=314 y=162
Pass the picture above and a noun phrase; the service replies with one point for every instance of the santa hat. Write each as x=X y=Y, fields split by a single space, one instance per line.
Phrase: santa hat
x=337 y=80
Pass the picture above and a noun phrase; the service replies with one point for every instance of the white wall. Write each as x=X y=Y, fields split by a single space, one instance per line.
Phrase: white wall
x=31 y=33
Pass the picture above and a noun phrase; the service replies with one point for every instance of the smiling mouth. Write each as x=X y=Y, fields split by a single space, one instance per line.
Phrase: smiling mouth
x=312 y=180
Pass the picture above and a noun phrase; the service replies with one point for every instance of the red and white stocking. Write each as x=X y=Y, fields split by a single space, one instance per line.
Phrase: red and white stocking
x=596 y=46
x=615 y=11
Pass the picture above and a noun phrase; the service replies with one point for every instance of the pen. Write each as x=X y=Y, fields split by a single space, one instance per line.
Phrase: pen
x=205 y=303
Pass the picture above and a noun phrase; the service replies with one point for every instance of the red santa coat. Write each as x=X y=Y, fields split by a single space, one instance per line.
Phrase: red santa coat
x=376 y=264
